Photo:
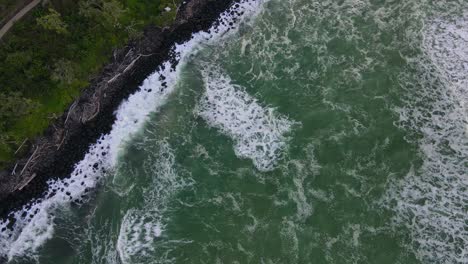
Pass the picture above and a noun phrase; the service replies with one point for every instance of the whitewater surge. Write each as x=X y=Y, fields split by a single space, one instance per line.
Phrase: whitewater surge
x=136 y=236
x=141 y=228
x=259 y=132
x=34 y=224
x=432 y=201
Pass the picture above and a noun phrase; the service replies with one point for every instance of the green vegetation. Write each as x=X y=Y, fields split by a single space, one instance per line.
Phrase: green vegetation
x=53 y=22
x=50 y=56
x=6 y=7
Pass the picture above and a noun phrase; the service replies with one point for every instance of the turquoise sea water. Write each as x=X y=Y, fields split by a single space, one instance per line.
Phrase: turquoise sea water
x=331 y=131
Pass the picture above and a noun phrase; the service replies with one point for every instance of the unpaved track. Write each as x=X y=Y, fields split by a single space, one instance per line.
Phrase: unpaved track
x=17 y=17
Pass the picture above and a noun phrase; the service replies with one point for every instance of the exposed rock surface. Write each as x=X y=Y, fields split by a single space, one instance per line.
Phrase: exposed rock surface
x=67 y=140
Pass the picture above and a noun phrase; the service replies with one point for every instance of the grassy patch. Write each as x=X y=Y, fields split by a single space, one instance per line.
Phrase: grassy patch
x=49 y=63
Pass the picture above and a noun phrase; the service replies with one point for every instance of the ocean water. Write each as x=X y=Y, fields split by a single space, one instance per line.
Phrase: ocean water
x=298 y=131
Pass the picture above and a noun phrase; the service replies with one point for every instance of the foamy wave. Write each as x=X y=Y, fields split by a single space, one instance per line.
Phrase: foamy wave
x=136 y=237
x=34 y=224
x=101 y=243
x=258 y=132
x=140 y=228
x=432 y=202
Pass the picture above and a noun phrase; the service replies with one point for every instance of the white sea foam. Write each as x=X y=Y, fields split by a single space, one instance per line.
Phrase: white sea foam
x=289 y=240
x=136 y=237
x=259 y=132
x=432 y=201
x=35 y=225
x=101 y=241
x=141 y=228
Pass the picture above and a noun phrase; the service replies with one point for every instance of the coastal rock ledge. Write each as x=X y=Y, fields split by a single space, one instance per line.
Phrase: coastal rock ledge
x=68 y=139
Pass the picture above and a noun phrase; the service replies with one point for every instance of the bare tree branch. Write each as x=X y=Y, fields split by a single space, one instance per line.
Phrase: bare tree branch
x=20 y=146
x=70 y=110
x=29 y=160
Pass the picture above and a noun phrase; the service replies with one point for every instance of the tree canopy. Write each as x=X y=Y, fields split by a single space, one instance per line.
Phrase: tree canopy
x=53 y=22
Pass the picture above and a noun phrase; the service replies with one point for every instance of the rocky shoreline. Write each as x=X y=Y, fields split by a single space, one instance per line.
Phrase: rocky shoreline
x=68 y=139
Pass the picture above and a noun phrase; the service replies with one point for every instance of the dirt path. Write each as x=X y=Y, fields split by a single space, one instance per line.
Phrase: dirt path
x=17 y=17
